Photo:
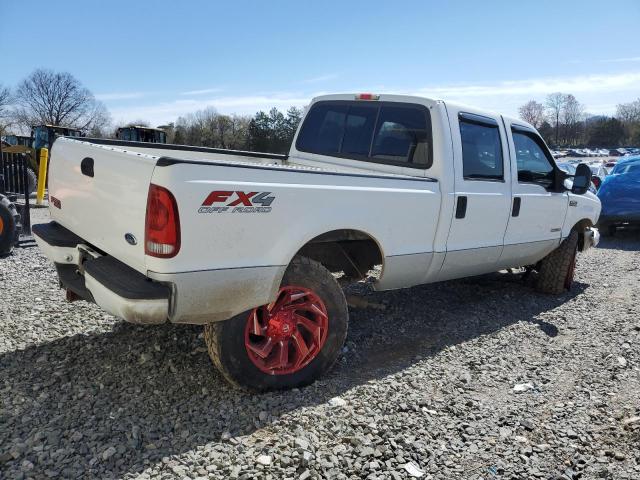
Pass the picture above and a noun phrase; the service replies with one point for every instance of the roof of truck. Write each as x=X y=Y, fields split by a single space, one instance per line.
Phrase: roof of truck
x=48 y=125
x=141 y=127
x=386 y=97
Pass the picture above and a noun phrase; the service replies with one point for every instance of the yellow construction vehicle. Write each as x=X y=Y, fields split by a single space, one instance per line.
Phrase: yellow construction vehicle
x=42 y=136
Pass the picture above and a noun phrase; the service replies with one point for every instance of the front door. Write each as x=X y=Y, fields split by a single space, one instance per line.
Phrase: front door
x=535 y=226
x=482 y=194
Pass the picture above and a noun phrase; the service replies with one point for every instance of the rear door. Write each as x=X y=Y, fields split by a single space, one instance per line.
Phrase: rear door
x=535 y=226
x=482 y=193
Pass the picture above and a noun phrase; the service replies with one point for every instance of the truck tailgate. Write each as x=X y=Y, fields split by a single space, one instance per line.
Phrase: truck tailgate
x=105 y=207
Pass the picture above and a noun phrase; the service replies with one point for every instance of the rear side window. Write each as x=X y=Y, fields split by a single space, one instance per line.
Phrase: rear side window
x=380 y=132
x=481 y=148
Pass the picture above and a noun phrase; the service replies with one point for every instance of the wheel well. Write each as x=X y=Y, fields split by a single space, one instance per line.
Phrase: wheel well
x=350 y=251
x=580 y=227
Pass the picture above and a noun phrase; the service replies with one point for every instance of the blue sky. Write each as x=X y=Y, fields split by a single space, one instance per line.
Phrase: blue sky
x=157 y=60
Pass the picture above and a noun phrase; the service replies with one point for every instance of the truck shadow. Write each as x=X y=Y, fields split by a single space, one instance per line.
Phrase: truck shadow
x=151 y=392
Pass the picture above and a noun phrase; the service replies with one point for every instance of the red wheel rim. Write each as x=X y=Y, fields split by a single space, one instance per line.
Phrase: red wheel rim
x=284 y=336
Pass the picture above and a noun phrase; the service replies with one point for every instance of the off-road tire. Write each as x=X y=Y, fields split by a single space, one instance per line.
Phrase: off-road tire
x=555 y=272
x=10 y=226
x=226 y=344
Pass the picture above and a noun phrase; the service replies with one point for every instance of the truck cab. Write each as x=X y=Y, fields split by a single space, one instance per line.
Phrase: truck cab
x=136 y=133
x=503 y=199
x=43 y=136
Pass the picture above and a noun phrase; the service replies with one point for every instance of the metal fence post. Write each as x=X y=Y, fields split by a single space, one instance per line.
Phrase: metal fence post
x=42 y=175
x=26 y=221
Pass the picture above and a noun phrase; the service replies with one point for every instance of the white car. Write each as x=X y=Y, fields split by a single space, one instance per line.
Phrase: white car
x=247 y=244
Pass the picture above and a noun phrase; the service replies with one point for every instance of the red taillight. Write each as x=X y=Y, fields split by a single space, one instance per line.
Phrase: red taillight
x=162 y=224
x=367 y=96
x=596 y=181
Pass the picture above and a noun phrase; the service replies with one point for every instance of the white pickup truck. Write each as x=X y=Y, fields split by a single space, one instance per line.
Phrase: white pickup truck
x=253 y=245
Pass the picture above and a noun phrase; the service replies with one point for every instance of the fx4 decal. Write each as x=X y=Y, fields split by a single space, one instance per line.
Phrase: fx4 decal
x=237 y=202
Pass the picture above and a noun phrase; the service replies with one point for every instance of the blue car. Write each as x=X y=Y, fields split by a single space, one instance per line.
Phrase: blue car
x=620 y=196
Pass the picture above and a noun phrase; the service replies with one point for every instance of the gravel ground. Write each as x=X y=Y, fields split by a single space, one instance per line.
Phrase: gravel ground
x=477 y=378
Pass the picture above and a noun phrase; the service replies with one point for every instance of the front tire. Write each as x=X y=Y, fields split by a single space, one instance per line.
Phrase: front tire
x=288 y=343
x=556 y=270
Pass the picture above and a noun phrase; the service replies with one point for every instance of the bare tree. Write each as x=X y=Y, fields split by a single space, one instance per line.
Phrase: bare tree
x=628 y=113
x=554 y=104
x=572 y=110
x=47 y=97
x=532 y=112
x=239 y=132
x=5 y=102
x=210 y=129
x=572 y=116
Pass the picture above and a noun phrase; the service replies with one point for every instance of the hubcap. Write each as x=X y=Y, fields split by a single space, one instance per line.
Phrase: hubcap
x=286 y=335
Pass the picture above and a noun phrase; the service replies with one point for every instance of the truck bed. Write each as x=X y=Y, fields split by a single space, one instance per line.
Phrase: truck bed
x=188 y=153
x=242 y=216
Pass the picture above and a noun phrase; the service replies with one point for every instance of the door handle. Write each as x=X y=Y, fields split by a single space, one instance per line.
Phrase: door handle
x=461 y=207
x=86 y=166
x=516 y=206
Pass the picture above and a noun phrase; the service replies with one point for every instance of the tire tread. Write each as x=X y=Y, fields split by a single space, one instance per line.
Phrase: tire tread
x=554 y=267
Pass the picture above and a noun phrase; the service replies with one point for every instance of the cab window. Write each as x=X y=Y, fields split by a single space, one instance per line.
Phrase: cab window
x=481 y=148
x=534 y=162
x=378 y=132
x=401 y=135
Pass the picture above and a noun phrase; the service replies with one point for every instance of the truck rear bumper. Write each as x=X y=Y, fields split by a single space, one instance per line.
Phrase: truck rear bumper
x=114 y=286
x=197 y=297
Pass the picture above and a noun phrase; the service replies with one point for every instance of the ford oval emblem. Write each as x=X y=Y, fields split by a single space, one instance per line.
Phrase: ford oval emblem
x=130 y=238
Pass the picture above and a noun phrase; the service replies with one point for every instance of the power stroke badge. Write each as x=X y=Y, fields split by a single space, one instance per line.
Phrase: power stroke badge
x=237 y=202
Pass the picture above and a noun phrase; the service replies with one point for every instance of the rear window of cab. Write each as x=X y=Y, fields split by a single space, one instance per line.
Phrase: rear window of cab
x=379 y=132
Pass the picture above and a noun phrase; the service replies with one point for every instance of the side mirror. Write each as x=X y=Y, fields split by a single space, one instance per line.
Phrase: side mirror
x=581 y=180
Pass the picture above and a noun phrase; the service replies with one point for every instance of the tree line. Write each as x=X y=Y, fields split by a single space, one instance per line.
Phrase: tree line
x=264 y=132
x=48 y=97
x=563 y=122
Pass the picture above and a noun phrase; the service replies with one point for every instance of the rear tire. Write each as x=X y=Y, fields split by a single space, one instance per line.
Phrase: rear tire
x=9 y=225
x=556 y=270
x=233 y=346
